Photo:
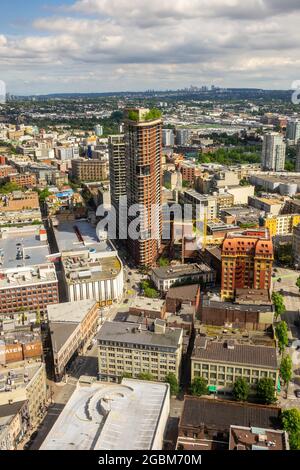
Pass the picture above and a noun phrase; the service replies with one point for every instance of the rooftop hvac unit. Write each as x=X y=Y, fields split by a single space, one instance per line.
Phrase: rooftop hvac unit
x=85 y=274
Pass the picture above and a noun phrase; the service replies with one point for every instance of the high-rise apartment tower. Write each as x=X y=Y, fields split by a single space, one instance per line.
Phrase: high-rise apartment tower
x=143 y=137
x=273 y=152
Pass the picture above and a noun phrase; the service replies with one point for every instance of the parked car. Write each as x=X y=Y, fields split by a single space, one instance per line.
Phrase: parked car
x=27 y=445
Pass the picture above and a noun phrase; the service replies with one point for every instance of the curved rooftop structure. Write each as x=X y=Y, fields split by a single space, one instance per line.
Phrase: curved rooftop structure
x=127 y=416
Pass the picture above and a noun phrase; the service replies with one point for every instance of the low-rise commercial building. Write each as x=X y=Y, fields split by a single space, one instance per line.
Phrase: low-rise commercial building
x=177 y=297
x=148 y=308
x=282 y=224
x=205 y=423
x=25 y=381
x=166 y=277
x=72 y=326
x=108 y=417
x=285 y=183
x=130 y=349
x=91 y=266
x=248 y=315
x=243 y=216
x=241 y=194
x=14 y=422
x=269 y=205
x=254 y=438
x=222 y=362
x=218 y=229
x=19 y=200
x=17 y=346
x=28 y=281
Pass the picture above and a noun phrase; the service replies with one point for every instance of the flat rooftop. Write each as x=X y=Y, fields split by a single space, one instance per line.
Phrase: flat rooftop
x=23 y=247
x=70 y=311
x=253 y=296
x=240 y=335
x=200 y=197
x=147 y=304
x=215 y=301
x=82 y=268
x=270 y=201
x=110 y=417
x=78 y=235
x=126 y=333
x=18 y=375
x=245 y=438
x=188 y=292
x=172 y=272
x=242 y=211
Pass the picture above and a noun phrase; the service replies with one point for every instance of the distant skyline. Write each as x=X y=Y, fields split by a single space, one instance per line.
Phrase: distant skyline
x=88 y=46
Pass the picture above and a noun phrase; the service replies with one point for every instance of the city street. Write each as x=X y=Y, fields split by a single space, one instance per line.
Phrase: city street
x=287 y=287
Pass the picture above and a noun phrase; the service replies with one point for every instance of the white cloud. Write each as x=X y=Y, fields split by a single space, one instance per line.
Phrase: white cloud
x=137 y=44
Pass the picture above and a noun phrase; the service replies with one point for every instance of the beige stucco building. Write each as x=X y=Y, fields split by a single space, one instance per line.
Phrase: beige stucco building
x=126 y=348
x=222 y=362
x=72 y=326
x=25 y=381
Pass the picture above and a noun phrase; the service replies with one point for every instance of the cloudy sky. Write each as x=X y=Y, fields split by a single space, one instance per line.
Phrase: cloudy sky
x=117 y=45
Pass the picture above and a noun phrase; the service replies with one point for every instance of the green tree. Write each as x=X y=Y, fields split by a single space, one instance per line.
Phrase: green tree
x=291 y=423
x=8 y=188
x=282 y=335
x=266 y=390
x=286 y=370
x=163 y=262
x=44 y=194
x=244 y=182
x=126 y=375
x=149 y=290
x=173 y=382
x=145 y=376
x=241 y=389
x=199 y=387
x=278 y=302
x=298 y=283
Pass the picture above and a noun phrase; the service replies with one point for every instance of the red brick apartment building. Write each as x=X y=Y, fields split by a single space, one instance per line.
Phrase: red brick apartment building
x=247 y=260
x=24 y=180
